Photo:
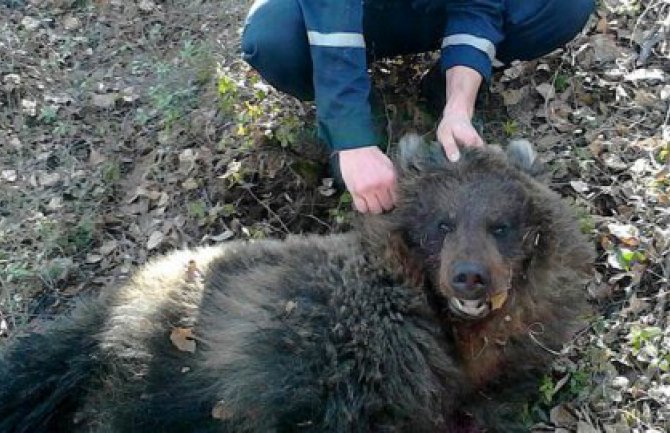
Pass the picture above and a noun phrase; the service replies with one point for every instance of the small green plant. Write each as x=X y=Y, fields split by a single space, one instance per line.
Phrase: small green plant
x=552 y=392
x=342 y=213
x=510 y=128
x=175 y=90
x=638 y=336
x=79 y=239
x=50 y=234
x=663 y=154
x=561 y=83
x=628 y=258
x=227 y=91
x=547 y=387
x=63 y=128
x=197 y=209
x=48 y=114
x=79 y=4
x=228 y=210
x=55 y=271
x=111 y=172
x=257 y=232
x=288 y=132
x=199 y=58
x=63 y=239
x=579 y=382
x=188 y=50
x=16 y=272
x=586 y=222
x=141 y=117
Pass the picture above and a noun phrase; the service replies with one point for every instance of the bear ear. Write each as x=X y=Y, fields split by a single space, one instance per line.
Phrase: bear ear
x=520 y=154
x=415 y=153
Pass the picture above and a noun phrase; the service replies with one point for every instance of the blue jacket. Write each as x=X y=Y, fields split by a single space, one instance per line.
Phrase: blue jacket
x=341 y=82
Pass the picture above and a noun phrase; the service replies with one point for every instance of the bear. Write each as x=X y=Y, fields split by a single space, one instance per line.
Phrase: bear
x=439 y=316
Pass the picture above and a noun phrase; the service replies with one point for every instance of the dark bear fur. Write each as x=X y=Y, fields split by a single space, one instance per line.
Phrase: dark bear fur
x=344 y=333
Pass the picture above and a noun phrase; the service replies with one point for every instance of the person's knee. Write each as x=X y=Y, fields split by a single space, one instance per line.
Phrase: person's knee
x=575 y=13
x=570 y=20
x=276 y=46
x=537 y=28
x=251 y=40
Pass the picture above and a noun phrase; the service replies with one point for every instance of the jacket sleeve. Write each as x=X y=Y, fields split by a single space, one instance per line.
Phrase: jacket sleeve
x=341 y=81
x=473 y=30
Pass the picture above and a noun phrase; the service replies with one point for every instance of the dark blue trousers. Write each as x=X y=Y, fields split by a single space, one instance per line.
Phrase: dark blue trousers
x=274 y=41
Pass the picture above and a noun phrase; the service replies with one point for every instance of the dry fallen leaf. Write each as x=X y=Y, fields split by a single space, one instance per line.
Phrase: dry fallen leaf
x=48 y=179
x=627 y=234
x=616 y=428
x=579 y=186
x=514 y=96
x=155 y=240
x=233 y=168
x=147 y=6
x=190 y=184
x=606 y=49
x=105 y=100
x=645 y=75
x=183 y=339
x=584 y=427
x=108 y=247
x=498 y=299
x=546 y=90
x=561 y=416
x=225 y=235
x=9 y=175
x=4 y=327
x=602 y=25
x=93 y=258
x=71 y=23
x=96 y=157
x=187 y=160
x=29 y=23
x=192 y=272
x=635 y=306
x=29 y=107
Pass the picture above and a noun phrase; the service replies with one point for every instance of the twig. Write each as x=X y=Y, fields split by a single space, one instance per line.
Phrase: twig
x=650 y=6
x=267 y=208
x=318 y=220
x=389 y=123
x=531 y=334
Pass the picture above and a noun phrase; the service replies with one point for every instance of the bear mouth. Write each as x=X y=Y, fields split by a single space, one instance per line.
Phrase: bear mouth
x=477 y=308
x=468 y=308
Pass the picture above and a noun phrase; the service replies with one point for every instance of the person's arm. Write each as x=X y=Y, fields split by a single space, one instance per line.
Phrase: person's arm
x=473 y=29
x=455 y=128
x=342 y=88
x=341 y=81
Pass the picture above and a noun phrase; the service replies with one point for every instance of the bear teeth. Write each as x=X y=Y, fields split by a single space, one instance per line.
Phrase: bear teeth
x=469 y=307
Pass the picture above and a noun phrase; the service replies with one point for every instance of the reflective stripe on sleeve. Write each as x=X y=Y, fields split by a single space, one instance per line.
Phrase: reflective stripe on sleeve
x=342 y=40
x=481 y=44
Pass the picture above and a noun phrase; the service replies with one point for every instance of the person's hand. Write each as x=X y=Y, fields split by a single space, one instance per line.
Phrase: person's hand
x=455 y=129
x=370 y=177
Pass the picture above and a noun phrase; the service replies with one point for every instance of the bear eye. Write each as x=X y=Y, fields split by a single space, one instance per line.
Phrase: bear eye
x=445 y=227
x=499 y=230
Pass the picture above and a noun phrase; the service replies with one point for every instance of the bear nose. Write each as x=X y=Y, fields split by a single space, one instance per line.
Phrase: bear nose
x=470 y=279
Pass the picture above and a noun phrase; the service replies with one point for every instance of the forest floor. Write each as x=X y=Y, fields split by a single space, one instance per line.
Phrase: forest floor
x=130 y=128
